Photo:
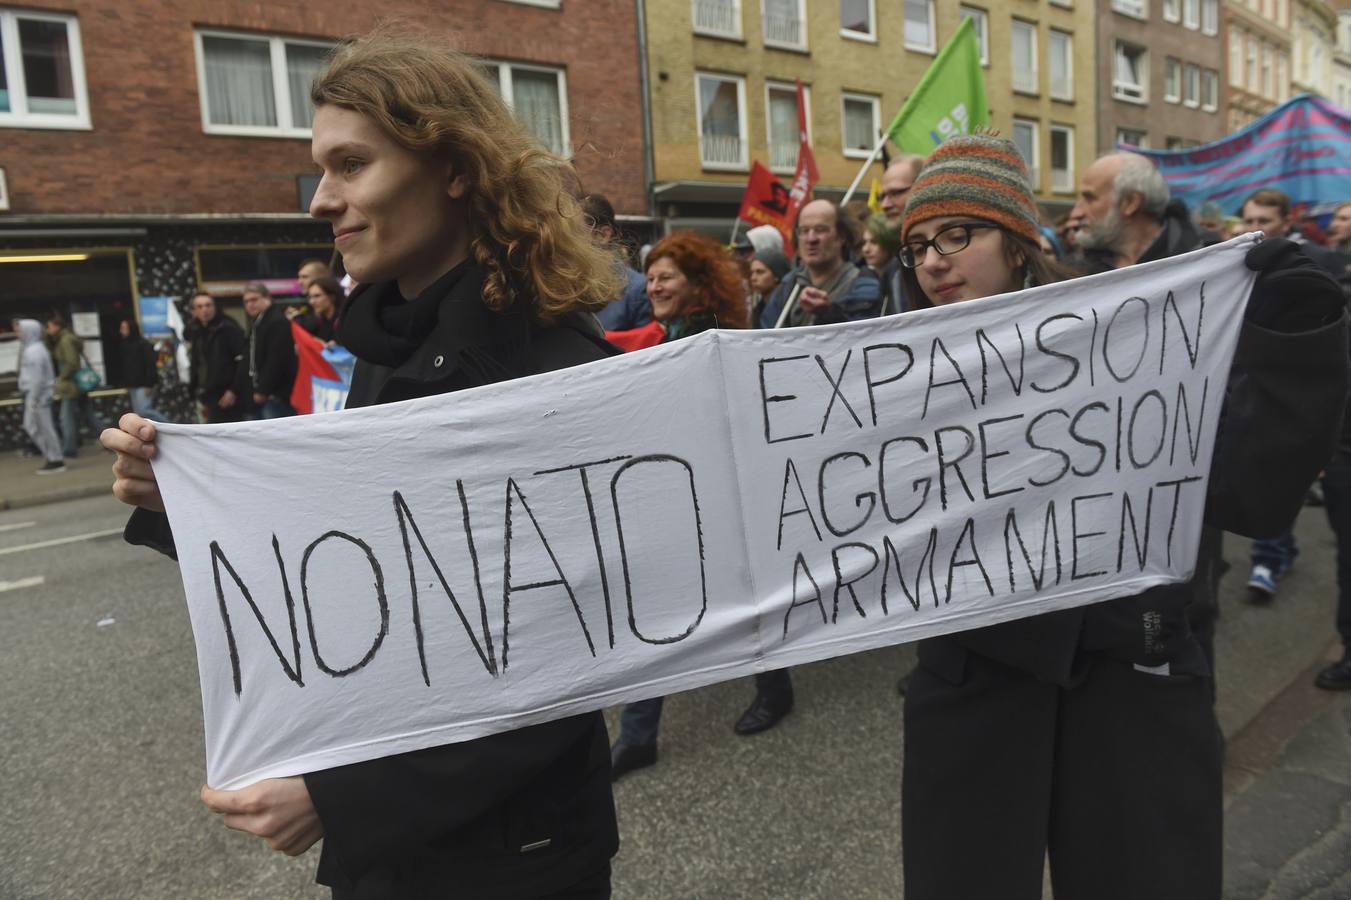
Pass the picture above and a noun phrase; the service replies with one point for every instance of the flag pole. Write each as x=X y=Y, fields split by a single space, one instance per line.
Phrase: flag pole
x=736 y=226
x=848 y=195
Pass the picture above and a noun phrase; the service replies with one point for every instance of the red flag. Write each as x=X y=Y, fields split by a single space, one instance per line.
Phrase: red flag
x=766 y=202
x=310 y=363
x=807 y=175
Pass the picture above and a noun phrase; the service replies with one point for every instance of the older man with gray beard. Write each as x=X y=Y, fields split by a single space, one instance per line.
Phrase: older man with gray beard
x=1125 y=215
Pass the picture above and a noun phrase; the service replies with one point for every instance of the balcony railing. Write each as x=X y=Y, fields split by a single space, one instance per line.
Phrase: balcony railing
x=721 y=17
x=720 y=150
x=783 y=28
x=783 y=154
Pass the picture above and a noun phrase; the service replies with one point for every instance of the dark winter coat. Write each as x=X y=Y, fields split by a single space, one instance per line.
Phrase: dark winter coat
x=137 y=359
x=1281 y=417
x=218 y=366
x=272 y=354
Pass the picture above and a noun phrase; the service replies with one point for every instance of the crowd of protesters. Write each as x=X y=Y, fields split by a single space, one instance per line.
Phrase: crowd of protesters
x=1102 y=747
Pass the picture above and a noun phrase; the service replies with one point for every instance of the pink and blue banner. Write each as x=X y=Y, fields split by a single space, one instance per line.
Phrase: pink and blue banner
x=1302 y=147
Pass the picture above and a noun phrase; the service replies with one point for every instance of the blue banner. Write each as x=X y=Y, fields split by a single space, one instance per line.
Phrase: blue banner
x=1302 y=147
x=155 y=317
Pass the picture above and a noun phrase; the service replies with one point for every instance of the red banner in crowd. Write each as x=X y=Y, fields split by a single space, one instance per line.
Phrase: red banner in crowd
x=807 y=174
x=766 y=202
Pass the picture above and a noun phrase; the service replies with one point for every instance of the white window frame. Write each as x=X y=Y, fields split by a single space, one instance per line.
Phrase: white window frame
x=1172 y=80
x=1191 y=14
x=1067 y=185
x=1118 y=91
x=1144 y=137
x=1235 y=57
x=740 y=81
x=713 y=32
x=1033 y=164
x=1210 y=97
x=1135 y=9
x=18 y=115
x=1171 y=11
x=785 y=45
x=859 y=35
x=281 y=89
x=875 y=103
x=1068 y=93
x=1191 y=77
x=1036 y=74
x=1067 y=4
x=1210 y=17
x=547 y=4
x=933 y=30
x=506 y=86
x=791 y=88
x=981 y=20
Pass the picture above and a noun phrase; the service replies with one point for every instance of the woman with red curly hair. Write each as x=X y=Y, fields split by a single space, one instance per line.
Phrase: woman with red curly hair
x=694 y=286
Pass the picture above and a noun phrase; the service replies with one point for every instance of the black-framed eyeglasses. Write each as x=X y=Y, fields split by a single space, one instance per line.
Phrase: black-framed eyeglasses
x=949 y=240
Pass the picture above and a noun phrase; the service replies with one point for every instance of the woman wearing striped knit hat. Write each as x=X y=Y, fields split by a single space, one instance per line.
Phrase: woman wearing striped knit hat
x=1026 y=739
x=970 y=228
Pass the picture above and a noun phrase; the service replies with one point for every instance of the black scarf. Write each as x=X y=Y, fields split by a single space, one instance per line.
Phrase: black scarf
x=380 y=326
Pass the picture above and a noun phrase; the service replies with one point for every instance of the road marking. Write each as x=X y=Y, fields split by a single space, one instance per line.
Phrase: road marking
x=34 y=581
x=55 y=542
x=15 y=526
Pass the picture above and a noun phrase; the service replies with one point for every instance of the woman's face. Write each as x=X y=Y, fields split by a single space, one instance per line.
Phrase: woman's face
x=873 y=254
x=667 y=288
x=762 y=278
x=978 y=270
x=394 y=212
x=123 y=328
x=320 y=302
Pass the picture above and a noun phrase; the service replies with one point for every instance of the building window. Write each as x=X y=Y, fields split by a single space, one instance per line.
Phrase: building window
x=255 y=84
x=1210 y=90
x=1172 y=10
x=1068 y=4
x=1282 y=77
x=1136 y=9
x=722 y=122
x=858 y=19
x=981 y=20
x=1268 y=89
x=718 y=18
x=1210 y=17
x=919 y=25
x=1061 y=52
x=1025 y=139
x=862 y=124
x=1191 y=14
x=1130 y=76
x=1235 y=57
x=41 y=71
x=1024 y=36
x=547 y=4
x=781 y=123
x=1132 y=136
x=785 y=23
x=538 y=97
x=1251 y=81
x=1172 y=80
x=1191 y=85
x=1062 y=159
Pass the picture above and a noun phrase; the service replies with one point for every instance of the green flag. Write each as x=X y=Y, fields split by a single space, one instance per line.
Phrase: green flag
x=949 y=100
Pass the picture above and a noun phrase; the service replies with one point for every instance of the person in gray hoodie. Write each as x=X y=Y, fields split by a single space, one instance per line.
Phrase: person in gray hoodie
x=37 y=378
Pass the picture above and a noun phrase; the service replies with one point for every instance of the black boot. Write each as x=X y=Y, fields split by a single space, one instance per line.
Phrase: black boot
x=764 y=713
x=625 y=758
x=1336 y=677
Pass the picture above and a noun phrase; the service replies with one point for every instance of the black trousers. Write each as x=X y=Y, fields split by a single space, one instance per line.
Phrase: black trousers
x=1118 y=778
x=1337 y=504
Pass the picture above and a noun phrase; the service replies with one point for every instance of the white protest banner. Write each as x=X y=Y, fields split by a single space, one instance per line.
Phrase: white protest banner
x=380 y=580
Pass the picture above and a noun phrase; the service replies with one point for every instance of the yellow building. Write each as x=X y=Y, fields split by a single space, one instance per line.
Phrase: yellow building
x=721 y=75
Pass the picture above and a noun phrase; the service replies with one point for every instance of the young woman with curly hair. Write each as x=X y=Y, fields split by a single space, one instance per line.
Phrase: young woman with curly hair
x=475 y=266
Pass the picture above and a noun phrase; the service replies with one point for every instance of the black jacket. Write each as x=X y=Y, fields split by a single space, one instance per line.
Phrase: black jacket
x=1280 y=420
x=136 y=360
x=272 y=354
x=217 y=359
x=512 y=816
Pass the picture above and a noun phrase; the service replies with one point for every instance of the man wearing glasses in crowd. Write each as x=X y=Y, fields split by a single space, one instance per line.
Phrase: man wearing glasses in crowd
x=825 y=287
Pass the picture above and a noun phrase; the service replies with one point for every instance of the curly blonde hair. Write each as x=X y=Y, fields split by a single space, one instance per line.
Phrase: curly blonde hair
x=526 y=229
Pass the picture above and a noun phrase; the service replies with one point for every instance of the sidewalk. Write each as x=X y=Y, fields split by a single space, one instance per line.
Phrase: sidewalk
x=88 y=475
x=1287 y=781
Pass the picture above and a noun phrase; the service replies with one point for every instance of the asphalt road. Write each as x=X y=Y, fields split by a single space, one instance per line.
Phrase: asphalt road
x=101 y=738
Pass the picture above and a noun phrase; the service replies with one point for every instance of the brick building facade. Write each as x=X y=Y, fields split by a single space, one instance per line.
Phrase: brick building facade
x=150 y=148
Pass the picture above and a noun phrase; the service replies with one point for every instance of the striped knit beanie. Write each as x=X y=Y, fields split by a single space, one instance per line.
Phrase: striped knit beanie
x=974 y=175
